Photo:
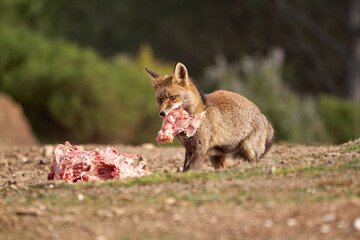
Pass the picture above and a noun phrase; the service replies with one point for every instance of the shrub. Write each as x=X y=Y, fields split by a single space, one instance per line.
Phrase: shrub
x=72 y=93
x=260 y=79
x=341 y=117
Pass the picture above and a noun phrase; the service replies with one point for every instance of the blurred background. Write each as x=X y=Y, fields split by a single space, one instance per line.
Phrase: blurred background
x=77 y=67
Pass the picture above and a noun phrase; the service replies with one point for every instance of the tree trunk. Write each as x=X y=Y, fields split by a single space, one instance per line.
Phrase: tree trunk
x=352 y=90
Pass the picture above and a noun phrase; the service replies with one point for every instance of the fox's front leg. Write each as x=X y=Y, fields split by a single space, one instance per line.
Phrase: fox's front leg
x=187 y=158
x=195 y=162
x=195 y=159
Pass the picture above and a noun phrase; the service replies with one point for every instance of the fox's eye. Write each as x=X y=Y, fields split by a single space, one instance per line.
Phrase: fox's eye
x=159 y=101
x=172 y=98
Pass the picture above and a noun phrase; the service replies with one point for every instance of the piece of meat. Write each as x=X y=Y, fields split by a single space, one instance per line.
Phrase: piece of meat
x=73 y=164
x=178 y=120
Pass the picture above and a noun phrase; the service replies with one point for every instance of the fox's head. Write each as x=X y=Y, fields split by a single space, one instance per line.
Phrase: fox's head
x=174 y=91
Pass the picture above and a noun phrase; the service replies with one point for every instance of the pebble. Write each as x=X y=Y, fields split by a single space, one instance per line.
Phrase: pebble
x=119 y=211
x=170 y=200
x=291 y=222
x=41 y=206
x=201 y=209
x=269 y=223
x=42 y=162
x=27 y=212
x=176 y=217
x=48 y=151
x=80 y=197
x=147 y=145
x=270 y=170
x=213 y=220
x=325 y=228
x=328 y=217
x=357 y=223
x=50 y=227
x=341 y=224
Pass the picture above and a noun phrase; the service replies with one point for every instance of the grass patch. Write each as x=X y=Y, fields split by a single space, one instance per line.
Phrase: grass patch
x=156 y=178
x=351 y=148
x=202 y=198
x=316 y=170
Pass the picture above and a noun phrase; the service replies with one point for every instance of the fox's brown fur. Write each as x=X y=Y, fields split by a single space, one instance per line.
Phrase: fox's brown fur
x=233 y=124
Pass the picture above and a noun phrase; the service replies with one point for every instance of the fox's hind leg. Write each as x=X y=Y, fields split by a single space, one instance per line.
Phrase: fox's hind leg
x=218 y=161
x=248 y=148
x=248 y=151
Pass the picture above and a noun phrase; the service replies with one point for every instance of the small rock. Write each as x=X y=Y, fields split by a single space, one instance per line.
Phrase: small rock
x=147 y=145
x=119 y=211
x=170 y=200
x=48 y=151
x=213 y=220
x=104 y=213
x=291 y=222
x=136 y=219
x=201 y=209
x=325 y=228
x=328 y=217
x=41 y=206
x=269 y=223
x=341 y=224
x=80 y=197
x=176 y=217
x=42 y=162
x=28 y=212
x=25 y=159
x=50 y=227
x=357 y=223
x=270 y=170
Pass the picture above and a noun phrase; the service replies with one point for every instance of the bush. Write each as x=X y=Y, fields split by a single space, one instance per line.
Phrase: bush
x=72 y=93
x=294 y=118
x=341 y=117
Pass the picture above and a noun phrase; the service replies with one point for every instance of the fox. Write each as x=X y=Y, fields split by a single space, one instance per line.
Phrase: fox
x=232 y=124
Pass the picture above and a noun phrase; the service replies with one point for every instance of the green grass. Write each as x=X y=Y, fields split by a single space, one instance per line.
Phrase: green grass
x=316 y=170
x=115 y=193
x=157 y=178
x=351 y=148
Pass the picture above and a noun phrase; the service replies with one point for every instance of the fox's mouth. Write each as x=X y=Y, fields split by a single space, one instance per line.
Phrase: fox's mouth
x=175 y=108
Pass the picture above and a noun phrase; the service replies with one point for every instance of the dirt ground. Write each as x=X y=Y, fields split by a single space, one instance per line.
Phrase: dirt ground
x=294 y=192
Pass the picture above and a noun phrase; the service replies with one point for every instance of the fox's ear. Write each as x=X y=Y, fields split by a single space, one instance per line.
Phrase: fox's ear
x=181 y=74
x=153 y=76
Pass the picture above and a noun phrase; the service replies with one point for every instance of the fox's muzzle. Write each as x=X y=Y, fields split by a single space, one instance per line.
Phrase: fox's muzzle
x=162 y=114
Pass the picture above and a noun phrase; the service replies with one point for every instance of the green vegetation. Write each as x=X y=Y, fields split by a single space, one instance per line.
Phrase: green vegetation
x=73 y=93
x=341 y=117
x=156 y=178
x=355 y=147
x=65 y=195
x=295 y=118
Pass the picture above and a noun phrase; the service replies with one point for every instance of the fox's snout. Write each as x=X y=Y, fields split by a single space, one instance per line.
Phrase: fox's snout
x=162 y=114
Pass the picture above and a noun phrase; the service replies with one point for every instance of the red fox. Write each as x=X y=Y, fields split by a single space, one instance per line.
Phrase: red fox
x=233 y=124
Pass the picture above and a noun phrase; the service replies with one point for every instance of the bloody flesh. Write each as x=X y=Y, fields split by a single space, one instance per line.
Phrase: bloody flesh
x=178 y=120
x=73 y=164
